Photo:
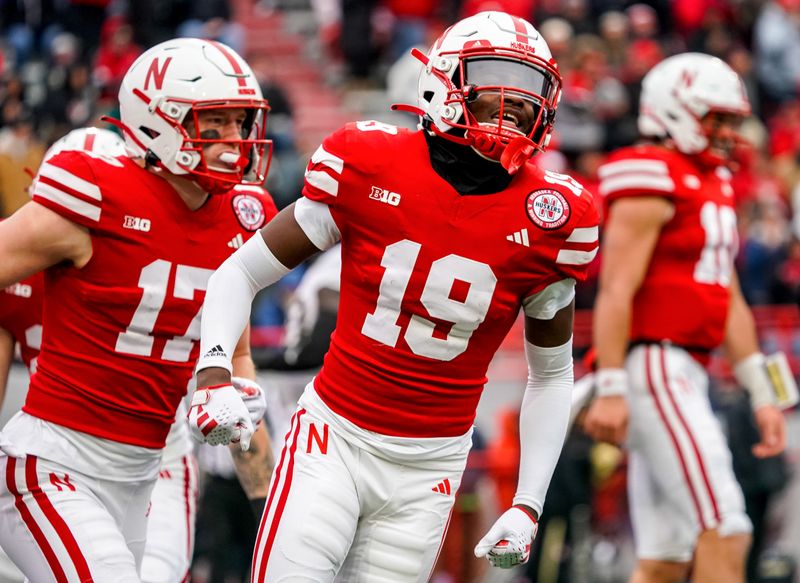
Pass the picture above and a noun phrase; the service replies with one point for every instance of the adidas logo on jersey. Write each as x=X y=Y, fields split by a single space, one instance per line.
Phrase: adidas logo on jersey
x=236 y=242
x=216 y=351
x=442 y=487
x=520 y=237
x=136 y=223
x=384 y=195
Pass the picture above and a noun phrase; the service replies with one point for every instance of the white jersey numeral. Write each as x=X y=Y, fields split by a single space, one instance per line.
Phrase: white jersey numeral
x=716 y=259
x=563 y=180
x=376 y=126
x=473 y=281
x=154 y=280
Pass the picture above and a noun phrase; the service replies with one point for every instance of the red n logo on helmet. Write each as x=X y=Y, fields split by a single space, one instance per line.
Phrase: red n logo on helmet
x=687 y=78
x=156 y=73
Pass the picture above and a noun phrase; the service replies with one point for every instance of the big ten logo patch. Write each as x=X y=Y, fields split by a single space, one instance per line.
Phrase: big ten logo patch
x=136 y=223
x=384 y=195
x=317 y=438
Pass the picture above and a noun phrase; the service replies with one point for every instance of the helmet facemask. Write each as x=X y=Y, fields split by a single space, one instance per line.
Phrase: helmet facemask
x=507 y=102
x=248 y=161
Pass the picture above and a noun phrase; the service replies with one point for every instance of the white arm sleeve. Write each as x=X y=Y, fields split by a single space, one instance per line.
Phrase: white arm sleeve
x=230 y=293
x=543 y=420
x=317 y=222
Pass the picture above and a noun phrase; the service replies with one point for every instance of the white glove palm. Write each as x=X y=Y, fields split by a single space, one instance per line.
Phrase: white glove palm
x=219 y=416
x=508 y=542
x=253 y=396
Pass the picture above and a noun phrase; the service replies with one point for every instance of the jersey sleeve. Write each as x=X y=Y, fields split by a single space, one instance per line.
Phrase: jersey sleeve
x=641 y=176
x=581 y=245
x=324 y=171
x=66 y=184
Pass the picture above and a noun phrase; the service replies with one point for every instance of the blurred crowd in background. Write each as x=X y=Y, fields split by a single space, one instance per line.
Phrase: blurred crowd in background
x=61 y=62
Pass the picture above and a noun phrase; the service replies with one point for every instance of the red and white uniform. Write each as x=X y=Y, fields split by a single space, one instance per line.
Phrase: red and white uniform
x=431 y=283
x=681 y=479
x=21 y=316
x=118 y=351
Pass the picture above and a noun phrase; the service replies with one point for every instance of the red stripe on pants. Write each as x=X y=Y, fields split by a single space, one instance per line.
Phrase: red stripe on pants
x=58 y=523
x=27 y=518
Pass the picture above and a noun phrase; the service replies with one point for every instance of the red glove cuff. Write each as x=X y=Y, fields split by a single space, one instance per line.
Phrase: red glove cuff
x=212 y=387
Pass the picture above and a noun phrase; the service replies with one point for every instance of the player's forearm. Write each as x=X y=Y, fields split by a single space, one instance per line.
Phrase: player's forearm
x=230 y=294
x=6 y=357
x=611 y=329
x=254 y=466
x=544 y=419
x=740 y=339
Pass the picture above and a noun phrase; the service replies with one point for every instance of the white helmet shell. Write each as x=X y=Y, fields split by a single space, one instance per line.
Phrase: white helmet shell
x=171 y=79
x=679 y=91
x=492 y=35
x=96 y=141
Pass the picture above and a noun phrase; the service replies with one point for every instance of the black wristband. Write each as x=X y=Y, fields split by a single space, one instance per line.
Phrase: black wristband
x=257 y=504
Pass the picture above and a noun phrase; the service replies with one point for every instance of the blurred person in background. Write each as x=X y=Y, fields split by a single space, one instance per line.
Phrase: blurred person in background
x=669 y=295
x=20 y=149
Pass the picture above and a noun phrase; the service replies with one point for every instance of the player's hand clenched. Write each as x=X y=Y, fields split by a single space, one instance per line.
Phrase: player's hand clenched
x=607 y=419
x=772 y=427
x=508 y=542
x=219 y=416
x=253 y=396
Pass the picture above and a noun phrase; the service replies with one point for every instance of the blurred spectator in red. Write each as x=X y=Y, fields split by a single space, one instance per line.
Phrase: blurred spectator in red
x=116 y=54
x=716 y=35
x=413 y=20
x=521 y=8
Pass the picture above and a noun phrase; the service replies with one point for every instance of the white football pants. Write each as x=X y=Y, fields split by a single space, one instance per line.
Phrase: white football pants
x=336 y=508
x=65 y=527
x=170 y=528
x=680 y=478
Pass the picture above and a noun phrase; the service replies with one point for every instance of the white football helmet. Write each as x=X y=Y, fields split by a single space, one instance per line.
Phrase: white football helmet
x=490 y=52
x=679 y=91
x=92 y=140
x=162 y=94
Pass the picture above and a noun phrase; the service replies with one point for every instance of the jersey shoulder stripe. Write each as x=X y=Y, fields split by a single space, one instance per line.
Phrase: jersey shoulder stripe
x=324 y=171
x=63 y=188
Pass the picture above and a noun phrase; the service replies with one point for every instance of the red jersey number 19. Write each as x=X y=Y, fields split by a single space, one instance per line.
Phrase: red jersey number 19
x=457 y=290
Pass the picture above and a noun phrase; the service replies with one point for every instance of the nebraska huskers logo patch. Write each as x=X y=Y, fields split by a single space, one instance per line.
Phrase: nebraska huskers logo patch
x=249 y=211
x=547 y=208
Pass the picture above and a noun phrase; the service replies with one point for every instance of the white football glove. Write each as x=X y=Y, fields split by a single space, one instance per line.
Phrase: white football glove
x=508 y=542
x=253 y=396
x=219 y=416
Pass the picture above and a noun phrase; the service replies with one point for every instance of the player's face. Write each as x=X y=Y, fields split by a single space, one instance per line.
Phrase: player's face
x=512 y=111
x=226 y=125
x=722 y=131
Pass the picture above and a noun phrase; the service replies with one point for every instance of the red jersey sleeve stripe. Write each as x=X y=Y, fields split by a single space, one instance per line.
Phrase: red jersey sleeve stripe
x=56 y=175
x=68 y=201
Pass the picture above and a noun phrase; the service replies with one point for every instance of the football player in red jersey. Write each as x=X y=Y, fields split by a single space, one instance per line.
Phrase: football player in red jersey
x=447 y=233
x=668 y=296
x=127 y=244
